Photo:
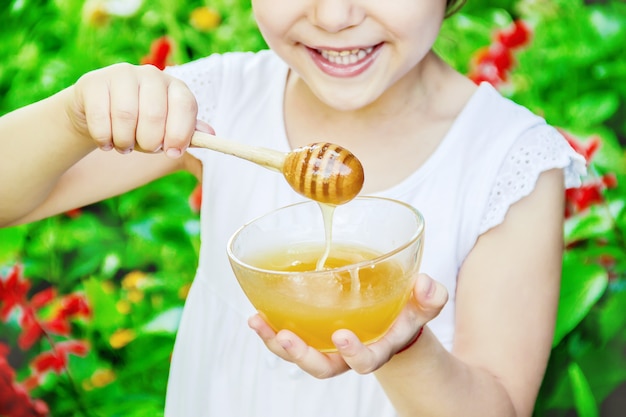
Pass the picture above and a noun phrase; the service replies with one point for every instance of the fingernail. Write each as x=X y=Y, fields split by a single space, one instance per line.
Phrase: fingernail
x=173 y=152
x=285 y=344
x=204 y=127
x=342 y=343
x=106 y=147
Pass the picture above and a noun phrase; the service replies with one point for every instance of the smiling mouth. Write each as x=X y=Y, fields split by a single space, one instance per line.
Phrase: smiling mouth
x=345 y=57
x=344 y=63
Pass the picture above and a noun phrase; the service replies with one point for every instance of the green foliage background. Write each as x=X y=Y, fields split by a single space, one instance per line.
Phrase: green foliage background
x=573 y=73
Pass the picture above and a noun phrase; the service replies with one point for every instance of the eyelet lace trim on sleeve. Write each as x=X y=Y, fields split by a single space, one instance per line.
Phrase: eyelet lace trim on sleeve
x=202 y=77
x=541 y=149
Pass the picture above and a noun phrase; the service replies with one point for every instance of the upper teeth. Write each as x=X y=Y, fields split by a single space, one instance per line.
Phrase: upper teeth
x=345 y=57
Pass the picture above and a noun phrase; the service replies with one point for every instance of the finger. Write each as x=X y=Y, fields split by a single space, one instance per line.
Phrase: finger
x=428 y=299
x=309 y=359
x=291 y=348
x=361 y=358
x=430 y=296
x=152 y=109
x=124 y=91
x=95 y=107
x=268 y=335
x=182 y=114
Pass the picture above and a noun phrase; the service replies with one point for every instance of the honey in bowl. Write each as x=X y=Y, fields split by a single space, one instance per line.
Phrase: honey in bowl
x=365 y=281
x=362 y=299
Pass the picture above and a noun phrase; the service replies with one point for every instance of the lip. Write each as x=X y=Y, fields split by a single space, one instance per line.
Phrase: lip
x=343 y=70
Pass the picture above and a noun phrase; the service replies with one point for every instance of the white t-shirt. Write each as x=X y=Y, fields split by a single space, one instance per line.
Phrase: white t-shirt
x=490 y=158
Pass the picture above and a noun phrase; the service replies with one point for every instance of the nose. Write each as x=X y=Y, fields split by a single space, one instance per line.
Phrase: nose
x=336 y=15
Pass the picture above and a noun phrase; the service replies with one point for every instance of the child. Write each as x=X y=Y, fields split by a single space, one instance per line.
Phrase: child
x=486 y=173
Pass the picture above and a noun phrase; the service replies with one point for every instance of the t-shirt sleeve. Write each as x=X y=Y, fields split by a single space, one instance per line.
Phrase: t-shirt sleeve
x=203 y=77
x=539 y=149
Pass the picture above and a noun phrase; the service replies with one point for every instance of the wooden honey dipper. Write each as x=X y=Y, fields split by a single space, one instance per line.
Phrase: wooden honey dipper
x=324 y=172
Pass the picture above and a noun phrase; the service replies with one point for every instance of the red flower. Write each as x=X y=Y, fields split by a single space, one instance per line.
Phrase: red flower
x=13 y=290
x=74 y=305
x=588 y=194
x=485 y=74
x=49 y=361
x=159 y=53
x=587 y=149
x=74 y=213
x=195 y=199
x=493 y=63
x=14 y=399
x=57 y=325
x=31 y=329
x=583 y=197
x=75 y=347
x=55 y=360
x=31 y=382
x=13 y=294
x=71 y=305
x=591 y=192
x=43 y=298
x=609 y=180
x=516 y=36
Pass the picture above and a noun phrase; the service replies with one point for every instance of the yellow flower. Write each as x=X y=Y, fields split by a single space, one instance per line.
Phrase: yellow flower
x=95 y=13
x=135 y=296
x=205 y=19
x=134 y=280
x=184 y=291
x=123 y=306
x=121 y=338
x=102 y=377
x=99 y=379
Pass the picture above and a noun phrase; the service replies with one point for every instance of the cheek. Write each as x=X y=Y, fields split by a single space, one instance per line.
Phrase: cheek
x=416 y=36
x=274 y=17
x=414 y=19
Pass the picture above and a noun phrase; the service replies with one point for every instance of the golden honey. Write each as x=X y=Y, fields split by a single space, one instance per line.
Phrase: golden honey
x=313 y=304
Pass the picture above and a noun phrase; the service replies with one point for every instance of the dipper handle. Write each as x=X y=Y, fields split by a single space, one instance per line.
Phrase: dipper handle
x=324 y=172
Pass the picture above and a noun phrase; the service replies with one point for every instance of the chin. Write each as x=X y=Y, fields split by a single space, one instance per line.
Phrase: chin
x=346 y=101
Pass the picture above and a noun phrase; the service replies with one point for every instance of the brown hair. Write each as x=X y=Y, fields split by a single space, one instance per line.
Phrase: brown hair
x=453 y=6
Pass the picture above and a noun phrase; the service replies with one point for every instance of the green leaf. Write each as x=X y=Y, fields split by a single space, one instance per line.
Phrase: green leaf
x=12 y=241
x=611 y=156
x=603 y=366
x=582 y=286
x=584 y=400
x=594 y=107
x=477 y=32
x=612 y=318
x=105 y=317
x=587 y=225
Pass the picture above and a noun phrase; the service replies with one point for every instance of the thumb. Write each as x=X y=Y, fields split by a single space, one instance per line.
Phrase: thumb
x=431 y=296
